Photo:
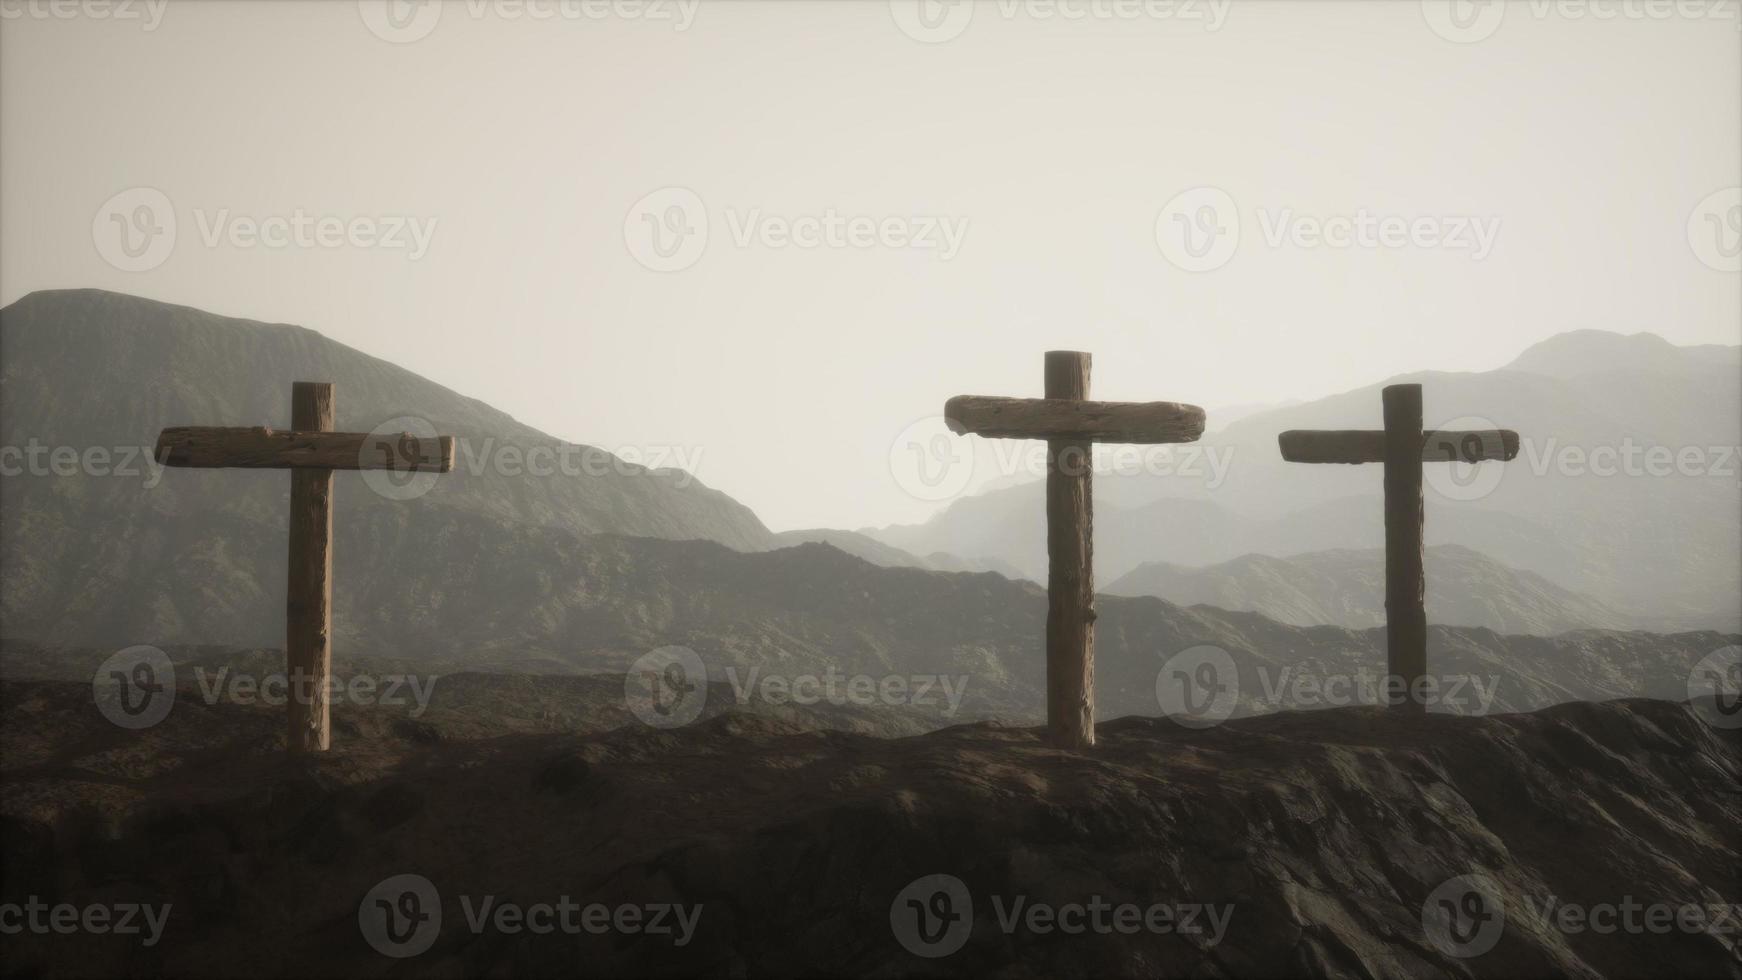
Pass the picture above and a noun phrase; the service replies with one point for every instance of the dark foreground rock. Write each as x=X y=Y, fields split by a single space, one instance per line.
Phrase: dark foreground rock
x=745 y=845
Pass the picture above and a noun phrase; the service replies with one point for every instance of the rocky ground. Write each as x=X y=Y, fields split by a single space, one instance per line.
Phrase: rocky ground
x=806 y=843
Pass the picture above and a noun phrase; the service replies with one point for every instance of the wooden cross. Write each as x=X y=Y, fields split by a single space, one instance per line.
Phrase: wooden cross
x=1402 y=446
x=1071 y=424
x=311 y=450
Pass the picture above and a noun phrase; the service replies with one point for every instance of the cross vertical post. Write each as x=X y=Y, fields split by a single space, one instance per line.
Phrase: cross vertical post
x=1070 y=548
x=1405 y=511
x=308 y=642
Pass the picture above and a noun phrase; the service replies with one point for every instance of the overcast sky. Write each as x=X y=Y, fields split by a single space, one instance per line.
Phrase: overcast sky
x=774 y=236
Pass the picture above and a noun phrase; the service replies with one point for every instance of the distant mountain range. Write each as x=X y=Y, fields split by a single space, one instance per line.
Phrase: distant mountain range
x=1347 y=588
x=491 y=571
x=1654 y=541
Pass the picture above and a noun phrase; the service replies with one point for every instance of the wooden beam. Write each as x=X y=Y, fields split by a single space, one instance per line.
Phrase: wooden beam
x=309 y=609
x=1367 y=446
x=1405 y=582
x=299 y=448
x=1063 y=418
x=1070 y=543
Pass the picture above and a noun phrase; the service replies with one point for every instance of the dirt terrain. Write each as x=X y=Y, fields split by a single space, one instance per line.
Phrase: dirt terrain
x=795 y=842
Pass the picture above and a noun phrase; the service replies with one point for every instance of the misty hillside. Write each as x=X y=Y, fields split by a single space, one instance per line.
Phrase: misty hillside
x=193 y=555
x=469 y=577
x=536 y=601
x=1655 y=545
x=1347 y=588
x=94 y=368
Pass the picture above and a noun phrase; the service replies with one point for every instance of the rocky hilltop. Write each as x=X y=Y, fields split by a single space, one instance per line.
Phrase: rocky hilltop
x=1304 y=843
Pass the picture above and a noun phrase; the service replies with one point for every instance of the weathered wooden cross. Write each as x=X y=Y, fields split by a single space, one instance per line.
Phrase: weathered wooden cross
x=1071 y=424
x=311 y=450
x=1403 y=447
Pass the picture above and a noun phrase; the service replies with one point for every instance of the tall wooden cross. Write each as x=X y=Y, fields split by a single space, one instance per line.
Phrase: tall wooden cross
x=311 y=450
x=1071 y=424
x=1403 y=447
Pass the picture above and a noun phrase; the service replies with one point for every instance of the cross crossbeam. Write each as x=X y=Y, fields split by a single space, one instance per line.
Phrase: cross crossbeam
x=278 y=449
x=312 y=451
x=1367 y=446
x=1403 y=446
x=1071 y=424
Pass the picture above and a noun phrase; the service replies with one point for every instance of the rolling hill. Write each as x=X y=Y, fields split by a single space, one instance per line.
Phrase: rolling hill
x=1347 y=588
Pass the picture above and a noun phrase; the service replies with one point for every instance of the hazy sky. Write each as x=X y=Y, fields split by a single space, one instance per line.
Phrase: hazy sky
x=465 y=190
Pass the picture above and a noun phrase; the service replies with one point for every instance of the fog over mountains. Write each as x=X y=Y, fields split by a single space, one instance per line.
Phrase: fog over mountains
x=1627 y=487
x=1347 y=588
x=495 y=568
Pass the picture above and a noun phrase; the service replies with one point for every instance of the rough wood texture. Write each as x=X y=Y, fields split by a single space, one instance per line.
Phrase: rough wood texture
x=1405 y=582
x=1070 y=535
x=309 y=611
x=1064 y=418
x=299 y=448
x=1368 y=446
